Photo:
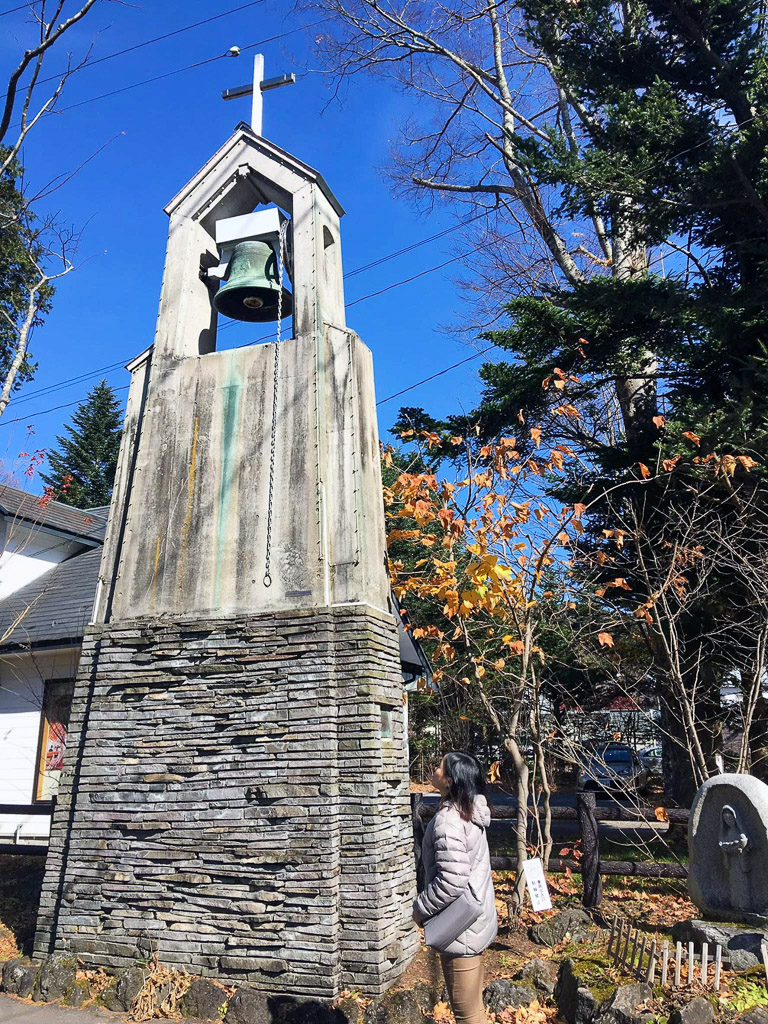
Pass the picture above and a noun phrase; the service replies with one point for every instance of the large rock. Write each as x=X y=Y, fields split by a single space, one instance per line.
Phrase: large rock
x=204 y=999
x=400 y=1007
x=757 y=1015
x=542 y=974
x=502 y=993
x=108 y=998
x=573 y=925
x=288 y=1010
x=122 y=992
x=728 y=848
x=19 y=976
x=56 y=975
x=248 y=1006
x=698 y=1011
x=428 y=996
x=78 y=993
x=626 y=1005
x=352 y=1009
x=740 y=944
x=575 y=1000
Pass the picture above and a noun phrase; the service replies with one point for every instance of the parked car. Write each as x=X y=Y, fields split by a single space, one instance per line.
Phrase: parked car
x=614 y=767
x=650 y=757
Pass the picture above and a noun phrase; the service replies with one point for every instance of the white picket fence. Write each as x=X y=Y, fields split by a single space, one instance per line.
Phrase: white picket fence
x=632 y=950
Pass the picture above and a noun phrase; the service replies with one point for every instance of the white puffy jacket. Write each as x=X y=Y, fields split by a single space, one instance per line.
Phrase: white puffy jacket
x=451 y=849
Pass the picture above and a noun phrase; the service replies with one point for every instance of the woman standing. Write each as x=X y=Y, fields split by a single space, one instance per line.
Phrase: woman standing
x=455 y=855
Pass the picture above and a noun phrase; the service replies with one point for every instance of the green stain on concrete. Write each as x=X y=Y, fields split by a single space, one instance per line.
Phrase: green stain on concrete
x=227 y=478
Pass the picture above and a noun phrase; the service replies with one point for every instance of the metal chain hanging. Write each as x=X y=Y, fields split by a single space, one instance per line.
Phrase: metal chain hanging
x=273 y=439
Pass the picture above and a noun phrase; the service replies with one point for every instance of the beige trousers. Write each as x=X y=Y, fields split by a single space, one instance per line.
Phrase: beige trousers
x=464 y=980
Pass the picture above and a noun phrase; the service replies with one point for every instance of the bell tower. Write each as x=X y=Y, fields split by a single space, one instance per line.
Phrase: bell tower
x=235 y=797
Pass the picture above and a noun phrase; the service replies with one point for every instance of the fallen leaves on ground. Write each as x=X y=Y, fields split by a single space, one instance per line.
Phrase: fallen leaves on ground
x=535 y=1013
x=161 y=993
x=657 y=904
x=8 y=947
x=442 y=1013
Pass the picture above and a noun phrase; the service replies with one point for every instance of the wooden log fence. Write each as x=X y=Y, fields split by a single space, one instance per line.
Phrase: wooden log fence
x=675 y=815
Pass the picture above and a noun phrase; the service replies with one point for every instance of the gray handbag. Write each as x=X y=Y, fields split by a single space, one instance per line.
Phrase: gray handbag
x=444 y=928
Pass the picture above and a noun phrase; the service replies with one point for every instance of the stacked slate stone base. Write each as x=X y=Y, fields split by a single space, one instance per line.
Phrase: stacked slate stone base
x=236 y=802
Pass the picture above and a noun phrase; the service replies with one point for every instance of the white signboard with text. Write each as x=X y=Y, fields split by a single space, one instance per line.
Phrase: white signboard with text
x=537 y=885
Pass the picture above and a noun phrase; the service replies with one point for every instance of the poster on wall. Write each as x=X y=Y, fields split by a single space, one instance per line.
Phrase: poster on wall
x=57 y=701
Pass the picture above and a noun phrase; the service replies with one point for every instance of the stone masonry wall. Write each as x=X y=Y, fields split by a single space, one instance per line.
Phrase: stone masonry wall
x=237 y=802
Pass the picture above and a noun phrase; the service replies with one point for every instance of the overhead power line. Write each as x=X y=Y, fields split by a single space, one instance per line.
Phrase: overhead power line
x=58 y=385
x=415 y=277
x=425 y=380
x=382 y=291
x=187 y=67
x=146 y=42
x=385 y=259
x=55 y=408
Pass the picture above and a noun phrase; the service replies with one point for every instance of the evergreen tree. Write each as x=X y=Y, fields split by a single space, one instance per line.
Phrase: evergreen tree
x=83 y=467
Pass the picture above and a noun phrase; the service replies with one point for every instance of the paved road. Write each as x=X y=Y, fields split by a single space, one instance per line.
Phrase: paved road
x=16 y=1010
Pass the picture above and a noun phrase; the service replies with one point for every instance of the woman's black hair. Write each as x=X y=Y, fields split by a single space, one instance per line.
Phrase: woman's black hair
x=467 y=781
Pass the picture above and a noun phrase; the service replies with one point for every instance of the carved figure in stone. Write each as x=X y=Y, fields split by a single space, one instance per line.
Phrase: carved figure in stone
x=728 y=844
x=735 y=845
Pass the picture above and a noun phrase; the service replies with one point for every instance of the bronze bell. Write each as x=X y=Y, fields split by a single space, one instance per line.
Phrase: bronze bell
x=253 y=285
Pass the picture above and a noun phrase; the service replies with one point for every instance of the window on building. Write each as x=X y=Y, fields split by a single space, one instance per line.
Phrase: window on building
x=57 y=701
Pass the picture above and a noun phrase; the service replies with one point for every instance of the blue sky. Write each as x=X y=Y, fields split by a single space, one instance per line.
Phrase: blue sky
x=162 y=133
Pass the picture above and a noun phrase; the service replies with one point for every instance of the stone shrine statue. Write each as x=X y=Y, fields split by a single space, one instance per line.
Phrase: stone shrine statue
x=735 y=846
x=728 y=846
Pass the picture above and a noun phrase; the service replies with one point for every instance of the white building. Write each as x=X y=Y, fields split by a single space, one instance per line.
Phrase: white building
x=49 y=565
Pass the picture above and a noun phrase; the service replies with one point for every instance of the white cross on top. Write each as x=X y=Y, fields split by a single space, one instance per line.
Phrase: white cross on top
x=260 y=85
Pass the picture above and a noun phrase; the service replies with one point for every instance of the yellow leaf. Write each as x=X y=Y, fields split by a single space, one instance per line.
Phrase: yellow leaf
x=661 y=814
x=494 y=772
x=499 y=664
x=605 y=639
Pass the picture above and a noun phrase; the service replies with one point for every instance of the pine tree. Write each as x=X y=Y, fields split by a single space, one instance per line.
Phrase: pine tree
x=83 y=467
